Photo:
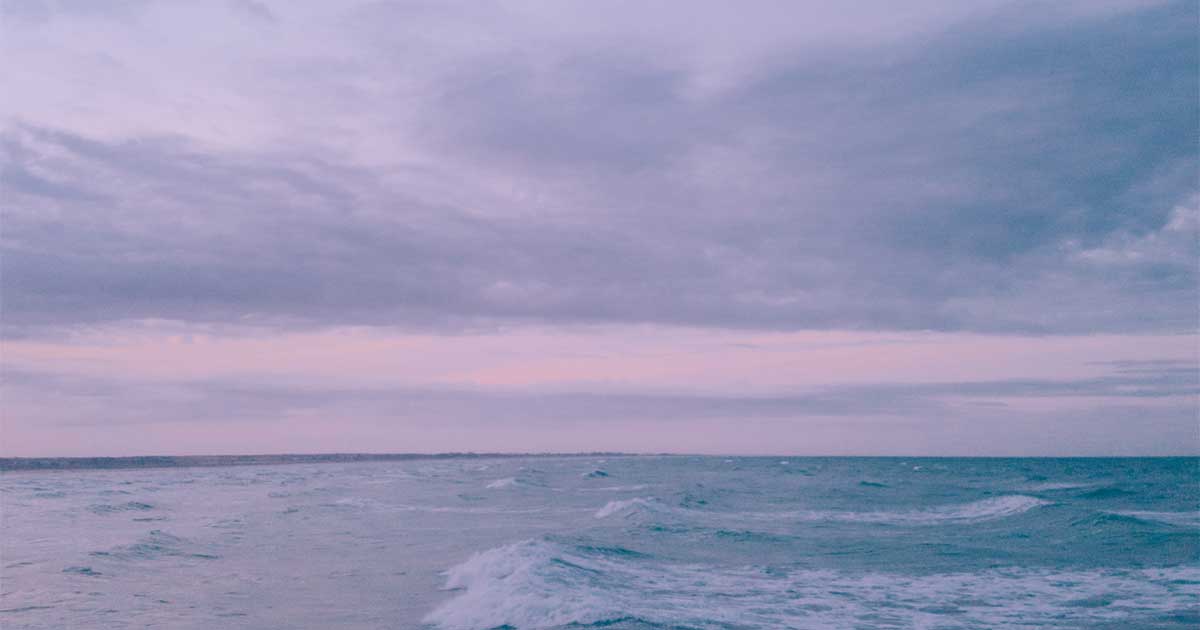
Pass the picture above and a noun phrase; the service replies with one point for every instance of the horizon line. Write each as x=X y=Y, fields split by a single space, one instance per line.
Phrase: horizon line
x=120 y=462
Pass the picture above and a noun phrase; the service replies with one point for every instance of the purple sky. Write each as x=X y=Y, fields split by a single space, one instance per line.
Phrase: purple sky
x=948 y=228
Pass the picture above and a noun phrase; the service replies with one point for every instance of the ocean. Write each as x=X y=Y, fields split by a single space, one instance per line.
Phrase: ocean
x=616 y=542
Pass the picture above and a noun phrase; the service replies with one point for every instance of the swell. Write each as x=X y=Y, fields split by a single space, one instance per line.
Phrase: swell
x=152 y=546
x=114 y=508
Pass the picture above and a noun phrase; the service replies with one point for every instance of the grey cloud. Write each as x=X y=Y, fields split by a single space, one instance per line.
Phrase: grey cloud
x=1153 y=366
x=1008 y=174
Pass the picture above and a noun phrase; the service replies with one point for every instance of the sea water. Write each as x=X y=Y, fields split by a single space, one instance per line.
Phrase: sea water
x=613 y=542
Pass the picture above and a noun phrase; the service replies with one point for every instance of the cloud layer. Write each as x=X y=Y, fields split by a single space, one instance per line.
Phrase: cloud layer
x=1007 y=169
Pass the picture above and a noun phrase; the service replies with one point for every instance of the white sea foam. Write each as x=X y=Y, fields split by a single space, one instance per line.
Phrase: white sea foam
x=453 y=509
x=360 y=503
x=986 y=509
x=512 y=586
x=983 y=510
x=633 y=488
x=614 y=507
x=371 y=505
x=1051 y=486
x=538 y=584
x=502 y=483
x=976 y=511
x=1178 y=519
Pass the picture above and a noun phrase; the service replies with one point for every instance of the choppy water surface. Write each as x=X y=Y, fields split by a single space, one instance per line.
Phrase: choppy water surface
x=621 y=542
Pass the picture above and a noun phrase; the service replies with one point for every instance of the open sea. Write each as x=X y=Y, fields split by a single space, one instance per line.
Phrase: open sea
x=617 y=542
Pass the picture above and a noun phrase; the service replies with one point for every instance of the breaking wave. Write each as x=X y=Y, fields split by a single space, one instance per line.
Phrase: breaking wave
x=1052 y=486
x=544 y=584
x=615 y=507
x=976 y=511
x=1177 y=519
x=984 y=510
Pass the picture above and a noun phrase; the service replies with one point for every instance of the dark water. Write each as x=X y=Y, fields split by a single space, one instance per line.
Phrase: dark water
x=618 y=542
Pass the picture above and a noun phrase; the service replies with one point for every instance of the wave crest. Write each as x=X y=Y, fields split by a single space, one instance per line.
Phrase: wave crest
x=539 y=584
x=1176 y=519
x=976 y=511
x=973 y=512
x=614 y=507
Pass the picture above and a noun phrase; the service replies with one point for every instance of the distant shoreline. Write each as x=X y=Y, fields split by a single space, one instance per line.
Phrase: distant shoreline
x=210 y=461
x=14 y=464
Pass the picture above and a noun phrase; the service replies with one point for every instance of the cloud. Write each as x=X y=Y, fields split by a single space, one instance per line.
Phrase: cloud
x=1003 y=170
x=940 y=227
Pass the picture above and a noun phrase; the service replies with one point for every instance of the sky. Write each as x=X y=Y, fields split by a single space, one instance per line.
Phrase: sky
x=926 y=228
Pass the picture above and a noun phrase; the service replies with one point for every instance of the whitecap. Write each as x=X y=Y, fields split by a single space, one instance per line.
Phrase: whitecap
x=502 y=483
x=1178 y=519
x=986 y=509
x=976 y=511
x=614 y=507
x=539 y=584
x=1051 y=486
x=633 y=488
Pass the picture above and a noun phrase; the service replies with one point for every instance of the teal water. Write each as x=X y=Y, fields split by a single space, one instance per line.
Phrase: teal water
x=617 y=542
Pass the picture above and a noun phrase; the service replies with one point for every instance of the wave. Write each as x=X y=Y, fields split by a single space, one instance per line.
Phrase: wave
x=986 y=509
x=1177 y=519
x=614 y=507
x=155 y=544
x=976 y=511
x=129 y=506
x=633 y=488
x=502 y=483
x=750 y=536
x=541 y=584
x=77 y=570
x=973 y=512
x=359 y=503
x=371 y=505
x=1052 y=486
x=1107 y=492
